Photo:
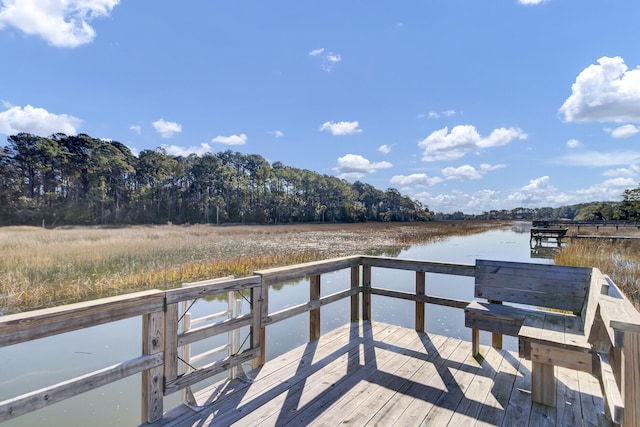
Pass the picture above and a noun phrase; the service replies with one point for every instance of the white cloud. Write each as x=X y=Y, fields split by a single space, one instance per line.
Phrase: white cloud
x=354 y=166
x=462 y=173
x=608 y=190
x=231 y=140
x=600 y=159
x=623 y=132
x=277 y=133
x=607 y=92
x=530 y=2
x=573 y=143
x=442 y=145
x=37 y=121
x=384 y=149
x=327 y=59
x=468 y=172
x=416 y=179
x=62 y=23
x=341 y=128
x=136 y=128
x=436 y=115
x=166 y=129
x=175 y=150
x=629 y=172
x=537 y=193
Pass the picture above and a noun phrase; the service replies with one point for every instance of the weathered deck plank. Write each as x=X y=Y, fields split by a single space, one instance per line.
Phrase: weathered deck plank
x=378 y=374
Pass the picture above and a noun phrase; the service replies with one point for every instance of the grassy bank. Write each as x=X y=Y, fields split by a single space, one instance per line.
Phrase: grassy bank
x=42 y=268
x=619 y=260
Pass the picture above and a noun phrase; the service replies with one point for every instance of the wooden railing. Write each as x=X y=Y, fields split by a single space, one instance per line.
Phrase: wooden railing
x=162 y=339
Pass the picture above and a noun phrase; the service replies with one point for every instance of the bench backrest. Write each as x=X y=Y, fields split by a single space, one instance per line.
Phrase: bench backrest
x=590 y=306
x=541 y=285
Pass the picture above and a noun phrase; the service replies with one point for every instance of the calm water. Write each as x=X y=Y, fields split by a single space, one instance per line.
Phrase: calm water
x=44 y=362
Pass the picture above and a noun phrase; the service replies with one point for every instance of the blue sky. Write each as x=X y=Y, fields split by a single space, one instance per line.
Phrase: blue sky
x=467 y=105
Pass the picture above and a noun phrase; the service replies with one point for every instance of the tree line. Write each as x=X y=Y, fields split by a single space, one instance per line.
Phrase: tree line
x=81 y=180
x=626 y=210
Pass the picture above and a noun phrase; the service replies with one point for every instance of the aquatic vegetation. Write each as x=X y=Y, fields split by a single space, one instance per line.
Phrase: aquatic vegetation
x=47 y=267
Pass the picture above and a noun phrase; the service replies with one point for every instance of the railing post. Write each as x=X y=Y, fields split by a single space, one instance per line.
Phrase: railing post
x=631 y=378
x=259 y=305
x=152 y=379
x=366 y=292
x=355 y=298
x=420 y=290
x=314 y=315
x=171 y=343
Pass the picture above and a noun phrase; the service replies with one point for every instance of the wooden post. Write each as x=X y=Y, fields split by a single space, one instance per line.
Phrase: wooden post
x=257 y=332
x=152 y=379
x=543 y=385
x=631 y=379
x=496 y=339
x=475 y=342
x=171 y=343
x=420 y=290
x=314 y=315
x=355 y=299
x=366 y=292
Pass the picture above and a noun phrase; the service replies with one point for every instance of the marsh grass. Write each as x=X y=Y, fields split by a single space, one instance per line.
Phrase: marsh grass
x=619 y=260
x=43 y=268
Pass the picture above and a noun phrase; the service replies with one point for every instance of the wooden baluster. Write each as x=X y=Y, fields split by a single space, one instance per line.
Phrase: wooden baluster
x=631 y=378
x=420 y=290
x=257 y=332
x=355 y=299
x=314 y=315
x=366 y=292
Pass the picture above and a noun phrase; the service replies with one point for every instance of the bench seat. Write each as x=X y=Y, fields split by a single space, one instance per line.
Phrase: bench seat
x=498 y=318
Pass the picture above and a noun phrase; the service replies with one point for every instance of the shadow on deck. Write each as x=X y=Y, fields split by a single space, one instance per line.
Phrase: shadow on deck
x=371 y=373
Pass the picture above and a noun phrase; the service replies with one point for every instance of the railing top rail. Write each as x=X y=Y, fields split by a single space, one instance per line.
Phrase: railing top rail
x=300 y=271
x=211 y=287
x=617 y=311
x=21 y=327
x=458 y=269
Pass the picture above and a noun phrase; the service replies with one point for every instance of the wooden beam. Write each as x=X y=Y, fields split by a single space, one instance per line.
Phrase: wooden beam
x=38 y=399
x=300 y=271
x=417 y=265
x=22 y=327
x=211 y=287
x=613 y=400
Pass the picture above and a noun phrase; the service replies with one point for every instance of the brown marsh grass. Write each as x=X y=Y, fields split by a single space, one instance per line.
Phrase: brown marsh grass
x=620 y=260
x=48 y=267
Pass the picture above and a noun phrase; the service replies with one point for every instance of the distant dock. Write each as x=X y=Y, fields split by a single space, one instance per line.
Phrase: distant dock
x=540 y=233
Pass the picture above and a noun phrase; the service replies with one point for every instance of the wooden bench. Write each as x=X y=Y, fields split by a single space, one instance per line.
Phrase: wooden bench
x=534 y=288
x=553 y=321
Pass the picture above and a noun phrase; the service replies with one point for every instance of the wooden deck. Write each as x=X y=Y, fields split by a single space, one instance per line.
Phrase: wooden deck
x=377 y=374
